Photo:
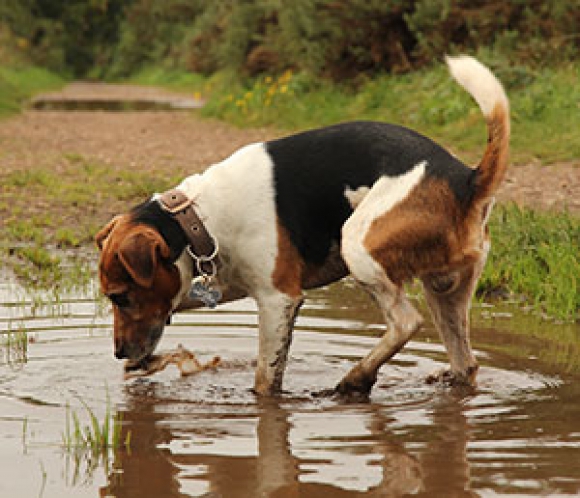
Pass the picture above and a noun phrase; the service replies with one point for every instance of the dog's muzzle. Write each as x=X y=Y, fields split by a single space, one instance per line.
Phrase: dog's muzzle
x=137 y=351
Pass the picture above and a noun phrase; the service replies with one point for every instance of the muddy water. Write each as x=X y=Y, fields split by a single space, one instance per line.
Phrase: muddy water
x=517 y=434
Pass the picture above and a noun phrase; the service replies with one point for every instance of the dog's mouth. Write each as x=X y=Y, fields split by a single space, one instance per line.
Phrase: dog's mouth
x=139 y=355
x=140 y=364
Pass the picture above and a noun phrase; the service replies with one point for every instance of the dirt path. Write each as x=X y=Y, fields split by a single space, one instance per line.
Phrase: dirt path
x=147 y=140
x=181 y=143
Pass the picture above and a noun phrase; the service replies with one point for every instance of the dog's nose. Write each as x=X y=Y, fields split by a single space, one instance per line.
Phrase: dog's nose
x=120 y=351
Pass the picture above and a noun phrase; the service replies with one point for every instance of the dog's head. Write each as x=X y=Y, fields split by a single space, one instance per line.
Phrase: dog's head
x=138 y=274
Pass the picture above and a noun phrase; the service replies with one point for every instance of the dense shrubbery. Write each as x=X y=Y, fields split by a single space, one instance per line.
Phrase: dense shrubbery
x=339 y=39
x=67 y=36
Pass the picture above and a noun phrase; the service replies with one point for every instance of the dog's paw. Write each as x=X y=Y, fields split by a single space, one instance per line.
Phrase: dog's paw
x=324 y=393
x=356 y=382
x=453 y=379
x=342 y=395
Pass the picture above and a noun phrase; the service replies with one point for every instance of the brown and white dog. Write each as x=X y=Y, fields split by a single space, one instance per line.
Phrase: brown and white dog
x=377 y=201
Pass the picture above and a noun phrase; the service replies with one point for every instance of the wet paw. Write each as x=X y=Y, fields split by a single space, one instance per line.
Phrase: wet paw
x=348 y=396
x=356 y=385
x=324 y=393
x=450 y=378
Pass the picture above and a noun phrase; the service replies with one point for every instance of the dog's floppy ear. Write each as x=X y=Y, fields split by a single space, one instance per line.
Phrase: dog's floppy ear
x=140 y=252
x=105 y=231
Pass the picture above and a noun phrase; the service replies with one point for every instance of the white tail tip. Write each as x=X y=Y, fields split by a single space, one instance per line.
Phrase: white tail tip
x=478 y=81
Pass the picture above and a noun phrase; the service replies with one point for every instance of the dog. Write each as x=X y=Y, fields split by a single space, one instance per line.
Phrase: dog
x=376 y=201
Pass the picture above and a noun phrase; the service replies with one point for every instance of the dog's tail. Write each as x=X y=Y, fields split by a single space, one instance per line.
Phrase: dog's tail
x=488 y=92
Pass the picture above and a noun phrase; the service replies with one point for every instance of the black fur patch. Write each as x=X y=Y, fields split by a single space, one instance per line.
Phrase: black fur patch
x=150 y=213
x=313 y=169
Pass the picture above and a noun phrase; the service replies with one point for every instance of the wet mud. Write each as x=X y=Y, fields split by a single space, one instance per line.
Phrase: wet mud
x=208 y=435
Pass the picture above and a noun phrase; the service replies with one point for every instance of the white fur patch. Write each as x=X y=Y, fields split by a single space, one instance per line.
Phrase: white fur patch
x=478 y=81
x=185 y=266
x=386 y=193
x=236 y=201
x=355 y=197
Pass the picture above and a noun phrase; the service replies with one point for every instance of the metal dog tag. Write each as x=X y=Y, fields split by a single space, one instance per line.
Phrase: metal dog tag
x=202 y=290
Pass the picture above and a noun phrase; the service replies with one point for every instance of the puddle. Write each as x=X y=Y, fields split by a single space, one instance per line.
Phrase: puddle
x=207 y=435
x=67 y=104
x=97 y=96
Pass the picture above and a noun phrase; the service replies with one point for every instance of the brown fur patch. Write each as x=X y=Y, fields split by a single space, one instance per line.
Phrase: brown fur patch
x=291 y=274
x=424 y=233
x=494 y=163
x=136 y=324
x=289 y=267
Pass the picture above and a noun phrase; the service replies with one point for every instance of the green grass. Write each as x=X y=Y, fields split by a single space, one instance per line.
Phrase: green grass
x=172 y=79
x=31 y=235
x=20 y=83
x=536 y=256
x=84 y=183
x=14 y=346
x=91 y=443
x=96 y=436
x=545 y=105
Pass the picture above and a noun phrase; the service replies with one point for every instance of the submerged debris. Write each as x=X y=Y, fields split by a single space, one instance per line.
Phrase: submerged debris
x=185 y=360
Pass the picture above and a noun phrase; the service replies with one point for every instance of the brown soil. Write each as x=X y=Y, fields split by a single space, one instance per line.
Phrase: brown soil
x=148 y=140
x=181 y=143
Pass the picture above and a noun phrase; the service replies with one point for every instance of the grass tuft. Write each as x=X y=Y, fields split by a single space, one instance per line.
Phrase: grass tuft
x=537 y=256
x=14 y=346
x=96 y=437
x=89 y=444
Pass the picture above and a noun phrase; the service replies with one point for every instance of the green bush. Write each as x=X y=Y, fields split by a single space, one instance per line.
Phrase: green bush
x=335 y=39
x=342 y=39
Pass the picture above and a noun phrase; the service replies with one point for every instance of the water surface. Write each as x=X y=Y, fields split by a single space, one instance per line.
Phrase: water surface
x=517 y=434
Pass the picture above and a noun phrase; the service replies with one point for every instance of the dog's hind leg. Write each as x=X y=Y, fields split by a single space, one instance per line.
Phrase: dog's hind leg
x=449 y=298
x=401 y=318
x=369 y=268
x=402 y=321
x=277 y=312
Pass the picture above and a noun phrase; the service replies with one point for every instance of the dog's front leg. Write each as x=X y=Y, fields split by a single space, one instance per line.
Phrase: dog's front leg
x=277 y=313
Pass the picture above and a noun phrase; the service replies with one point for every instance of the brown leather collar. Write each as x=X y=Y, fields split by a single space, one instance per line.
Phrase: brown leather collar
x=202 y=245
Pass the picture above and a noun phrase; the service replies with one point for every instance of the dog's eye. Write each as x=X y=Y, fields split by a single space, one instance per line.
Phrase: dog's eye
x=120 y=300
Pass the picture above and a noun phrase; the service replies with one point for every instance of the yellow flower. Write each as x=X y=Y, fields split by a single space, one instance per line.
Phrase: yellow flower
x=286 y=76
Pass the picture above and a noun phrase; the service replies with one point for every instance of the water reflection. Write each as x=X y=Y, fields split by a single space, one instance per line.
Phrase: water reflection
x=143 y=469
x=281 y=449
x=447 y=469
x=446 y=443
